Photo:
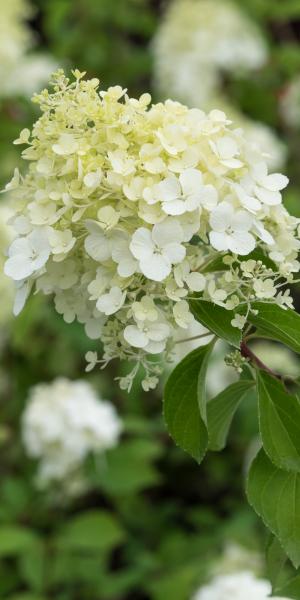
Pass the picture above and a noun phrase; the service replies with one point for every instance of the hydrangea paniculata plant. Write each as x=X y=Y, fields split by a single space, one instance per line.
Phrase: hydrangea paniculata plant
x=140 y=218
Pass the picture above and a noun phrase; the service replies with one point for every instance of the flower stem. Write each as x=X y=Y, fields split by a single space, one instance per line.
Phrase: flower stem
x=194 y=337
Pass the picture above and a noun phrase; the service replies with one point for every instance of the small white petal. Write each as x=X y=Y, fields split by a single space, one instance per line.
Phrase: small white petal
x=221 y=217
x=141 y=244
x=191 y=181
x=155 y=347
x=168 y=190
x=174 y=252
x=268 y=197
x=175 y=208
x=196 y=281
x=218 y=240
x=166 y=232
x=242 y=221
x=97 y=246
x=135 y=337
x=156 y=268
x=158 y=332
x=18 y=267
x=241 y=242
x=275 y=182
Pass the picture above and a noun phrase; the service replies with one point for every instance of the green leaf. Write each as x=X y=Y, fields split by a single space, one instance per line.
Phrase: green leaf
x=15 y=540
x=290 y=590
x=201 y=388
x=27 y=596
x=181 y=404
x=129 y=468
x=275 y=496
x=216 y=319
x=220 y=412
x=94 y=530
x=277 y=323
x=279 y=421
x=32 y=566
x=276 y=560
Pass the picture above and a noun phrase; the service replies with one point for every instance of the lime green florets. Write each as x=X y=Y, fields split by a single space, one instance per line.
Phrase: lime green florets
x=124 y=209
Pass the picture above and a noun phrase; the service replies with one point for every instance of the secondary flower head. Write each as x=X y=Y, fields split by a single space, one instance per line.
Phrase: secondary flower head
x=236 y=586
x=200 y=39
x=62 y=423
x=196 y=43
x=123 y=206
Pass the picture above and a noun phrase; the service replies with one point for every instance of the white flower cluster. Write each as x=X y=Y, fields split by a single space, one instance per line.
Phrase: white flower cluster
x=125 y=206
x=290 y=103
x=20 y=73
x=62 y=423
x=236 y=586
x=197 y=42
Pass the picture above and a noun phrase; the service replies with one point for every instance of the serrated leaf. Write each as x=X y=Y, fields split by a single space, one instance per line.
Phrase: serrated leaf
x=217 y=319
x=221 y=410
x=275 y=496
x=279 y=422
x=276 y=560
x=277 y=323
x=181 y=405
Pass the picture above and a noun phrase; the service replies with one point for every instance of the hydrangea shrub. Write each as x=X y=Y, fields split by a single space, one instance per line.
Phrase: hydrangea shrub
x=141 y=219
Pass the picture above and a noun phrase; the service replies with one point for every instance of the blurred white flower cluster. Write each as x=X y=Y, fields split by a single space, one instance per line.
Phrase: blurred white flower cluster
x=241 y=585
x=197 y=43
x=123 y=208
x=6 y=285
x=200 y=39
x=290 y=103
x=62 y=423
x=20 y=73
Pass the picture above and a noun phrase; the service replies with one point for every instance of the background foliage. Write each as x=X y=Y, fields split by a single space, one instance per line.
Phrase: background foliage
x=154 y=523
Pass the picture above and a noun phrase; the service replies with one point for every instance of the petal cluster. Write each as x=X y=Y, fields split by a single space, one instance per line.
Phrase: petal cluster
x=123 y=207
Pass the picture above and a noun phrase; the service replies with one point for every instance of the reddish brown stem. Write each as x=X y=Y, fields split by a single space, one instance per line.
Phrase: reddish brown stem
x=247 y=353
